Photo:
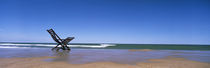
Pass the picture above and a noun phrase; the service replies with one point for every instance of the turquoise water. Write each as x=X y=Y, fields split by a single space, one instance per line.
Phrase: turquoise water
x=161 y=46
x=110 y=46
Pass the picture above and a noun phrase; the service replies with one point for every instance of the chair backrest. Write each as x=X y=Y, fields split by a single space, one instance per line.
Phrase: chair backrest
x=55 y=37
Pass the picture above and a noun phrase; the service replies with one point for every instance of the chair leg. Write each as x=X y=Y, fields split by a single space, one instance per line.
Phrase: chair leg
x=55 y=46
x=68 y=48
x=63 y=47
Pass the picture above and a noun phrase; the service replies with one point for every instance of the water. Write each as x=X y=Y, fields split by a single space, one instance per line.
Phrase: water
x=109 y=46
x=119 y=53
x=124 y=56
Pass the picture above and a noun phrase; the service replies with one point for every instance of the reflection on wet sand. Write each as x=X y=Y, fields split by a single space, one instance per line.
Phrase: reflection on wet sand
x=61 y=55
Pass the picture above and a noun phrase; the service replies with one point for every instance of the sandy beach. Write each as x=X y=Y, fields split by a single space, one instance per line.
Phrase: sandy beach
x=37 y=62
x=103 y=58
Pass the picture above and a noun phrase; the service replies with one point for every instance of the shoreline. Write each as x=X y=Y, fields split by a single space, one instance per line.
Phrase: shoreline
x=38 y=62
x=103 y=58
x=77 y=56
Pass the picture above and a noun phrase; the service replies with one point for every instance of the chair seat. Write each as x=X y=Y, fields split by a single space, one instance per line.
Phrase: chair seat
x=67 y=40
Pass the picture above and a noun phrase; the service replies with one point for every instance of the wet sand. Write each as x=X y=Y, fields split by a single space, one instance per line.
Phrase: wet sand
x=37 y=62
x=140 y=50
x=103 y=58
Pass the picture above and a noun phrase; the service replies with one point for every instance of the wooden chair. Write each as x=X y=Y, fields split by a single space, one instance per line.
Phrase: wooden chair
x=62 y=42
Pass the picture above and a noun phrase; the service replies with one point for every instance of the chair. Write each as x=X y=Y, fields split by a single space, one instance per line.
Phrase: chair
x=62 y=42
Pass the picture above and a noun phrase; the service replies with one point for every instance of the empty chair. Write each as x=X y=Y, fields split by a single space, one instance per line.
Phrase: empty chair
x=62 y=42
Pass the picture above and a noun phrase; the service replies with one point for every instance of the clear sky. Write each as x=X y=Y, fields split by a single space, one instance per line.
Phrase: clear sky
x=107 y=21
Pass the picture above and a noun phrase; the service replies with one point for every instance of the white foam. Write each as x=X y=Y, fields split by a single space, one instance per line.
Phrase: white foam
x=13 y=44
x=12 y=47
x=48 y=45
x=93 y=46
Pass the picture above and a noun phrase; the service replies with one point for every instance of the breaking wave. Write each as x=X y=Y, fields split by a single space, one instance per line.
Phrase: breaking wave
x=19 y=45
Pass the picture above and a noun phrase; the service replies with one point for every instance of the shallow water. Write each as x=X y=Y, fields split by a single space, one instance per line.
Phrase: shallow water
x=110 y=46
x=79 y=56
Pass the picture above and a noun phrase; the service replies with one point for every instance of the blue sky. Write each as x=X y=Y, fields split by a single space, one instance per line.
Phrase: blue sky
x=107 y=21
